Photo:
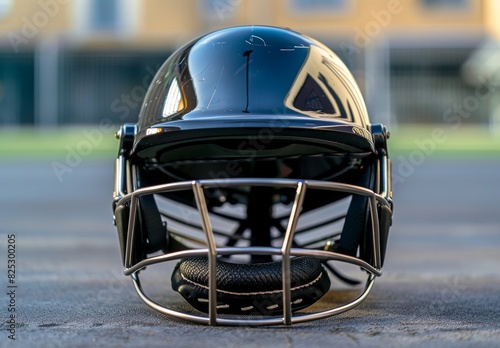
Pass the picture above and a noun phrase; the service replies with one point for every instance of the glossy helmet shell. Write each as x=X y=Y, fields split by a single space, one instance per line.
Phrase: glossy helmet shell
x=253 y=77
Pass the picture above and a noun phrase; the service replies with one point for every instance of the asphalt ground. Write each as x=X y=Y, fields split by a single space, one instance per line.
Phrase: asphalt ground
x=440 y=287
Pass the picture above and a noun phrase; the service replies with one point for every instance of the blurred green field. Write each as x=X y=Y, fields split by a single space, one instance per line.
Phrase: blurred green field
x=445 y=140
x=91 y=142
x=88 y=141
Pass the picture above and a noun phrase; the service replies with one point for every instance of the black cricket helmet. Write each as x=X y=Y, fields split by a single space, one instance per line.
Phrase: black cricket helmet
x=253 y=184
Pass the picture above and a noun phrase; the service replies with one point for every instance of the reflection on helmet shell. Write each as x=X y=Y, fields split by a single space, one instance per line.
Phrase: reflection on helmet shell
x=249 y=73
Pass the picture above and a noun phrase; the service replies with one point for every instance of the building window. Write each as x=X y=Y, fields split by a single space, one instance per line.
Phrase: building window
x=218 y=9
x=103 y=15
x=320 y=6
x=5 y=7
x=446 y=5
x=111 y=17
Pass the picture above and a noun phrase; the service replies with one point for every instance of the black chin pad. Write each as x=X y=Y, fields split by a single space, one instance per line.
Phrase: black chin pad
x=254 y=288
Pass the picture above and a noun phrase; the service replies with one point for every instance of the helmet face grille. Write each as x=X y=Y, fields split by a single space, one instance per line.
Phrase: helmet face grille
x=250 y=250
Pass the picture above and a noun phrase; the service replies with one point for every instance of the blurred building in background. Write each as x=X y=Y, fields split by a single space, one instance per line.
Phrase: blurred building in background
x=68 y=62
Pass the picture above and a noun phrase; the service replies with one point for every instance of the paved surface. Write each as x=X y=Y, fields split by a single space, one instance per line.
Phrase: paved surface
x=441 y=282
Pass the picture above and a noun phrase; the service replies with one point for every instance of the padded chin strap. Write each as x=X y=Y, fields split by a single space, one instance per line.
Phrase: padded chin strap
x=254 y=288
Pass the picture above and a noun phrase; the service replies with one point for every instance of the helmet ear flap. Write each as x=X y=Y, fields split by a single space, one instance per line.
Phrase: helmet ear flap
x=356 y=220
x=385 y=222
x=354 y=225
x=154 y=236
x=122 y=213
x=152 y=227
x=358 y=227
